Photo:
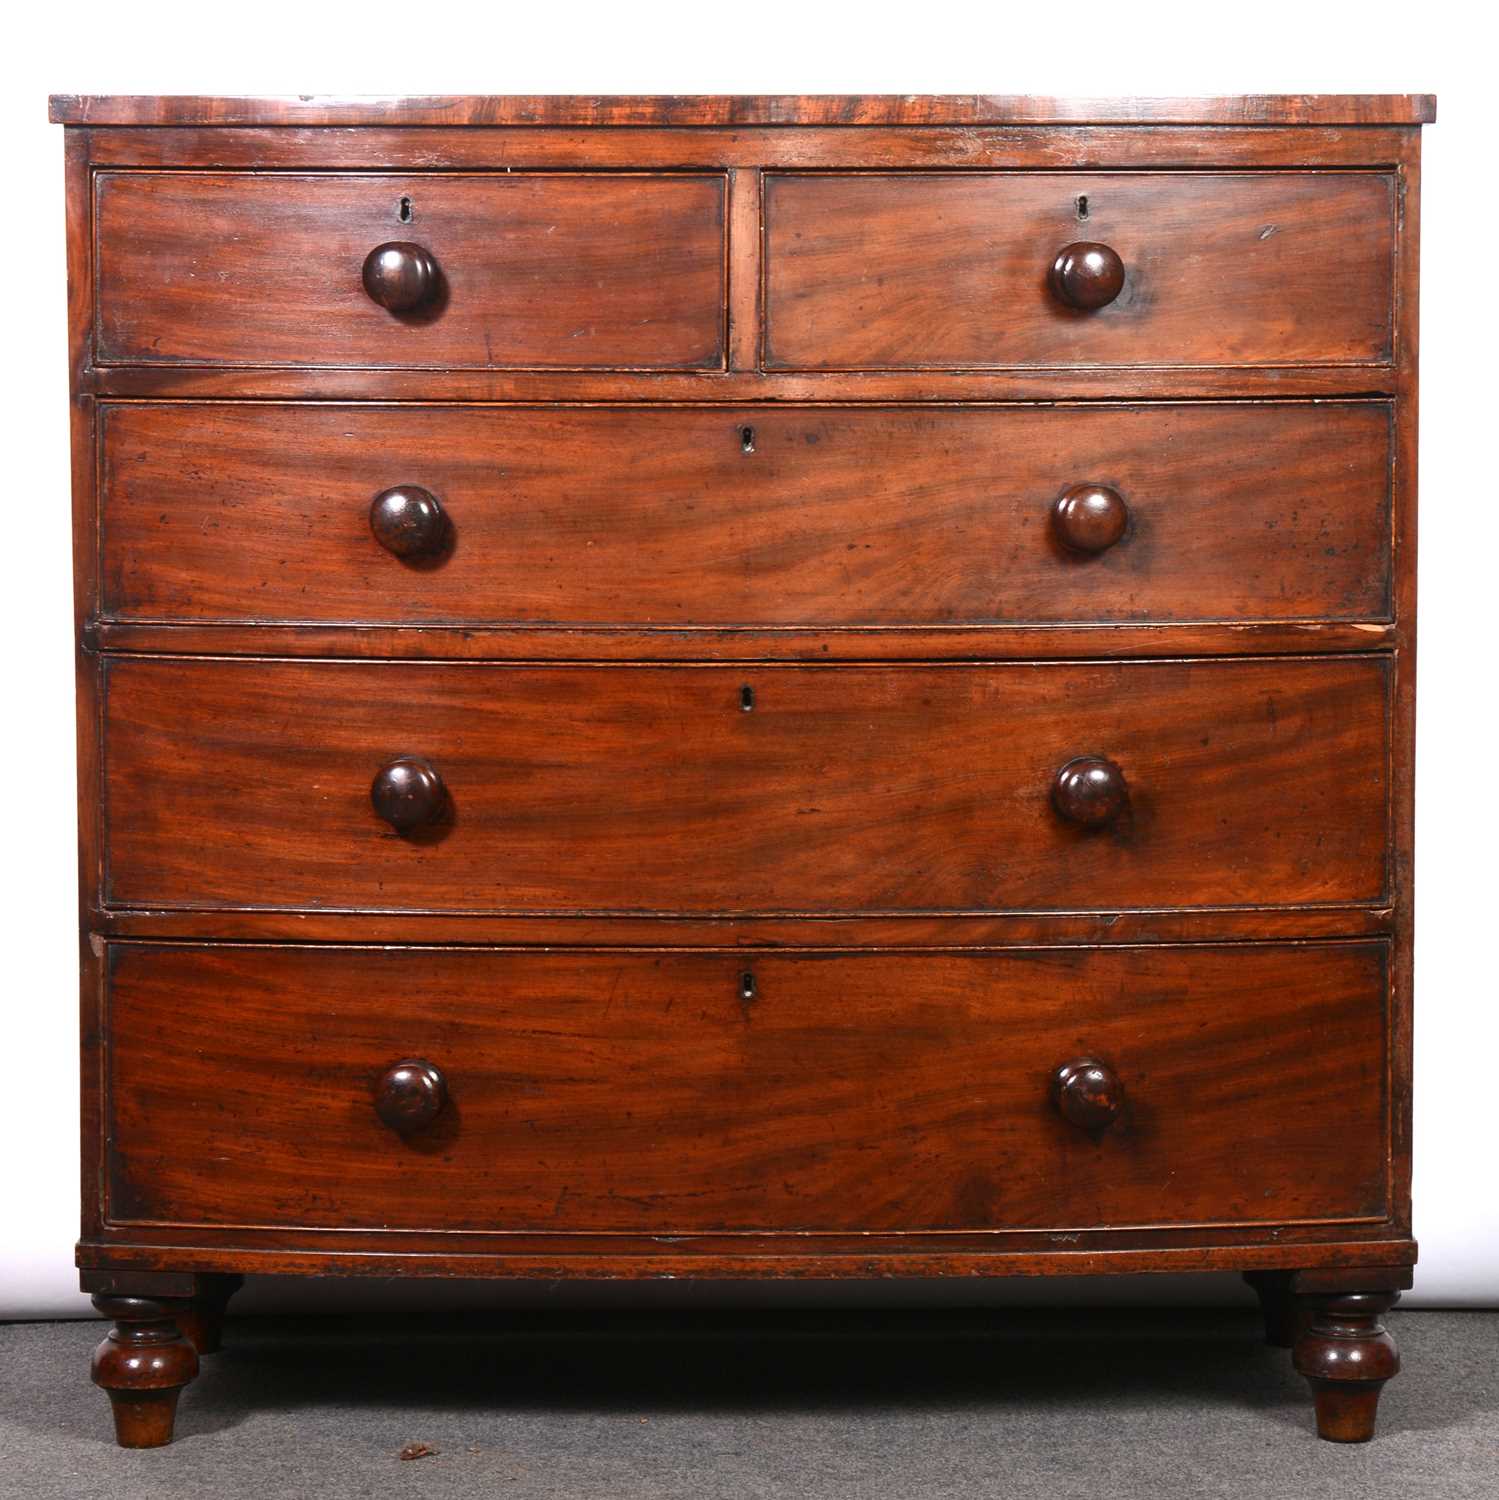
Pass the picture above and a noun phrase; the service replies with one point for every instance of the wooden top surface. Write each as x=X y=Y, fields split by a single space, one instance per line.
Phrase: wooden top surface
x=720 y=110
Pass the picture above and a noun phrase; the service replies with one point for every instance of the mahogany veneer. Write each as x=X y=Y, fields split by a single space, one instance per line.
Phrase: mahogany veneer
x=808 y=687
x=1271 y=268
x=664 y=518
x=674 y=1093
x=530 y=270
x=659 y=788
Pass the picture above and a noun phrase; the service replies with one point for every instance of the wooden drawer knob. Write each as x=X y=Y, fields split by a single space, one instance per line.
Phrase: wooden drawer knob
x=409 y=522
x=400 y=276
x=1090 y=517
x=409 y=794
x=410 y=1095
x=1087 y=275
x=1090 y=791
x=1088 y=1093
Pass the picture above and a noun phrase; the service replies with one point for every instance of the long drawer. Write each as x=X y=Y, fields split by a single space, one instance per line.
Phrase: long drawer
x=956 y=269
x=753 y=789
x=509 y=271
x=637 y=1092
x=238 y=513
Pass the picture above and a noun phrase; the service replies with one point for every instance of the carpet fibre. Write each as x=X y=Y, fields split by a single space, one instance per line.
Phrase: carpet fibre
x=909 y=1406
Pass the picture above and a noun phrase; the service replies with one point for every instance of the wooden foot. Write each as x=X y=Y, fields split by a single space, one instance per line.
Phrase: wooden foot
x=201 y=1317
x=1347 y=1355
x=1278 y=1306
x=142 y=1365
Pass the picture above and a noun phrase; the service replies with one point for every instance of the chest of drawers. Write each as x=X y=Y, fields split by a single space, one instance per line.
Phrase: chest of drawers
x=744 y=687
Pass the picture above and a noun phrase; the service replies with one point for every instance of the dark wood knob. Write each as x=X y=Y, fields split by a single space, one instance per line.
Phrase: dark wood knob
x=1090 y=790
x=400 y=276
x=1087 y=275
x=1090 y=517
x=410 y=1094
x=409 y=794
x=410 y=522
x=1088 y=1093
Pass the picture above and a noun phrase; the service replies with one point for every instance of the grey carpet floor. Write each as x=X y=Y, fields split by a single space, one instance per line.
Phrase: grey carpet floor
x=908 y=1406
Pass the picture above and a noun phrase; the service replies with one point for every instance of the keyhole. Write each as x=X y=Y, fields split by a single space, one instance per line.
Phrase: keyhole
x=403 y=210
x=747 y=985
x=1082 y=206
x=746 y=698
x=746 y=439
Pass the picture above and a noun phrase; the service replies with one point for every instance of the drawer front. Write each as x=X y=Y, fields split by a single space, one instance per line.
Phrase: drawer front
x=221 y=512
x=752 y=789
x=954 y=270
x=525 y=270
x=631 y=1092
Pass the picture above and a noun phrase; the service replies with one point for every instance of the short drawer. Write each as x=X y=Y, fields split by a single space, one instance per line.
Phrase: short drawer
x=247 y=512
x=749 y=789
x=959 y=270
x=502 y=271
x=700 y=1092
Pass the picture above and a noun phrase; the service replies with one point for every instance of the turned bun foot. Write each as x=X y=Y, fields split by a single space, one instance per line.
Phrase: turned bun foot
x=1284 y=1316
x=201 y=1318
x=201 y=1326
x=142 y=1365
x=1347 y=1355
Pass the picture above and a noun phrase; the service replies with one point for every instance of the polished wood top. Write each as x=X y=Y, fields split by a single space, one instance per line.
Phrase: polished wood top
x=724 y=109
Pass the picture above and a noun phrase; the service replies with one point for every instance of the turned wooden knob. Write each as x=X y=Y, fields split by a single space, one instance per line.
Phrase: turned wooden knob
x=409 y=794
x=1089 y=517
x=409 y=522
x=410 y=1094
x=1088 y=1093
x=1090 y=791
x=1087 y=275
x=400 y=276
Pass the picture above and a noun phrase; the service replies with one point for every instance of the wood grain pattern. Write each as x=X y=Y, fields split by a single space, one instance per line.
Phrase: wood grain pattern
x=563 y=271
x=651 y=789
x=644 y=1093
x=682 y=518
x=951 y=270
x=468 y=110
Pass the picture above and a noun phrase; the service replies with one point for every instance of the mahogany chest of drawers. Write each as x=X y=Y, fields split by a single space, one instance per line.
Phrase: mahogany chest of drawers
x=744 y=687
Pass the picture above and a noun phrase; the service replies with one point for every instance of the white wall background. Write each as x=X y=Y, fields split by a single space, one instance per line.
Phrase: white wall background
x=1135 y=47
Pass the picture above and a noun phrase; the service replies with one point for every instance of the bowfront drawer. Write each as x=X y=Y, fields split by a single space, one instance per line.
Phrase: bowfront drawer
x=802 y=517
x=958 y=270
x=511 y=271
x=471 y=788
x=635 y=1092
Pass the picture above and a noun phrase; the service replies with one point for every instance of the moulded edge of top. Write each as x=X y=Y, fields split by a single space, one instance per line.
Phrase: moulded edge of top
x=735 y=110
